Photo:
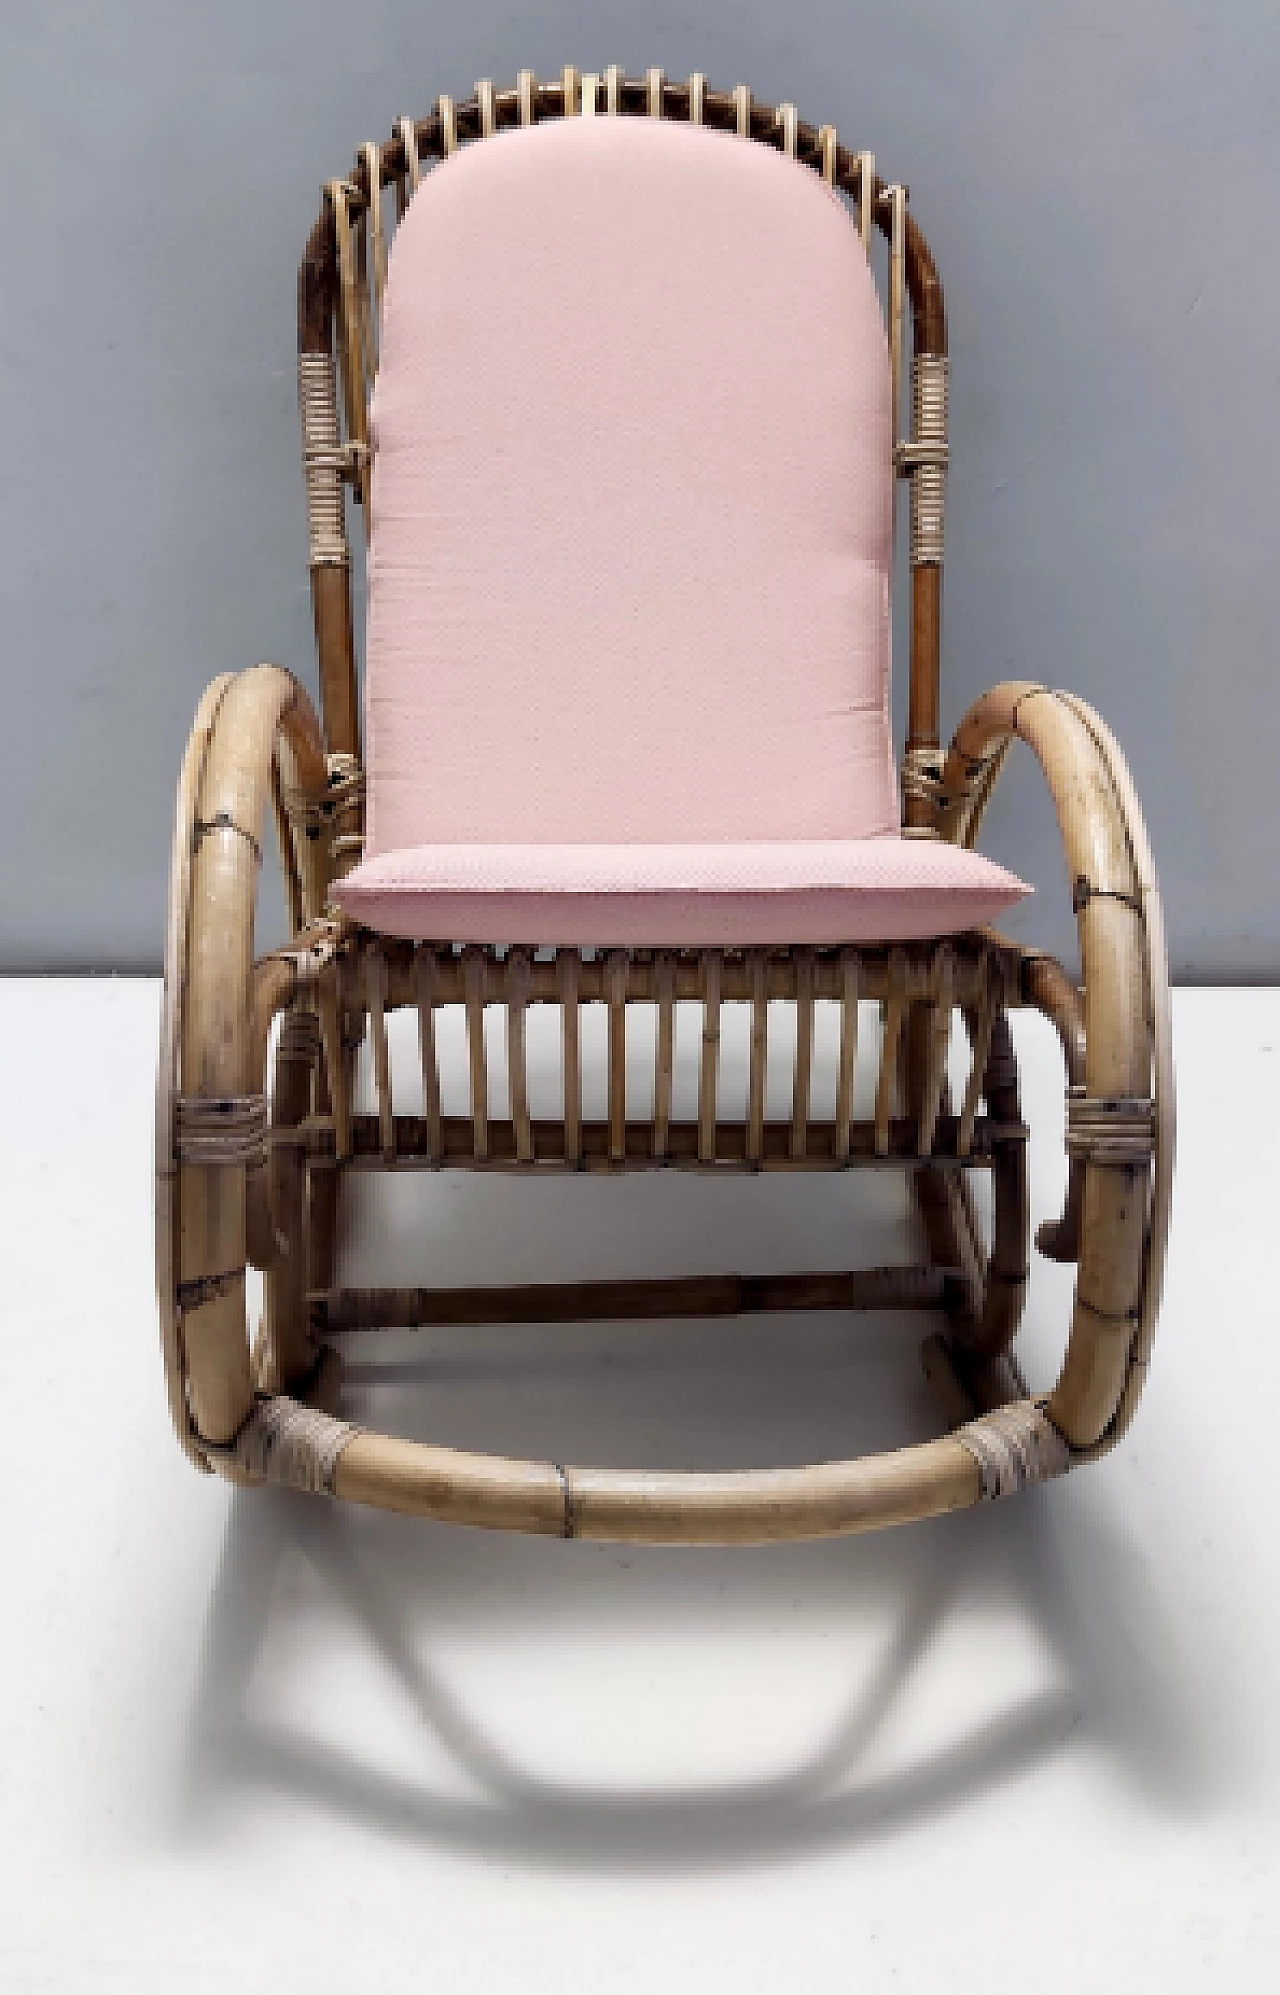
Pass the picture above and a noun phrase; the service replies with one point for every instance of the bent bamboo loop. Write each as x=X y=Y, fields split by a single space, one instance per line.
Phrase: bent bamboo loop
x=213 y=1033
x=1127 y=1053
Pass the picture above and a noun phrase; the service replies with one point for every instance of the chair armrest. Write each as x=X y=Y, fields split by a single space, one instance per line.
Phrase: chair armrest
x=1121 y=1123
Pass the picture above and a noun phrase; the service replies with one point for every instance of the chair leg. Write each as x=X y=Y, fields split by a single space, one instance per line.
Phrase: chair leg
x=285 y=1355
x=985 y=1318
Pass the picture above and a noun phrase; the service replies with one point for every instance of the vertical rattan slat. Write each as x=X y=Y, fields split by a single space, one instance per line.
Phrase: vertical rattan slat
x=375 y=982
x=517 y=1060
x=897 y=304
x=866 y=197
x=327 y=1010
x=616 y=986
x=412 y=164
x=757 y=1072
x=474 y=966
x=742 y=110
x=425 y=980
x=847 y=1073
x=377 y=248
x=613 y=90
x=827 y=150
x=526 y=87
x=786 y=120
x=894 y=1012
x=447 y=113
x=571 y=91
x=590 y=93
x=939 y=1038
x=665 y=978
x=567 y=967
x=802 y=1080
x=653 y=83
x=709 y=1061
x=982 y=1028
x=697 y=97
x=485 y=106
x=350 y=349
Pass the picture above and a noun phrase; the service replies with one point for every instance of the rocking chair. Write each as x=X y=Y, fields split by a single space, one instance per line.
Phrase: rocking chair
x=620 y=414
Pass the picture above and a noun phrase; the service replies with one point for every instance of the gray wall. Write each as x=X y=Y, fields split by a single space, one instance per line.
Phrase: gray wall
x=1099 y=183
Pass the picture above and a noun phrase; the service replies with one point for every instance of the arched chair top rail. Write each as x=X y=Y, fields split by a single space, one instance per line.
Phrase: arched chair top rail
x=721 y=109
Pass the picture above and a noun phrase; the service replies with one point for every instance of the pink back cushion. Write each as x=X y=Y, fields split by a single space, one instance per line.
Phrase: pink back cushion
x=629 y=576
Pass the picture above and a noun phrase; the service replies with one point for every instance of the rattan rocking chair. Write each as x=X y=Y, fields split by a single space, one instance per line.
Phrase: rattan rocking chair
x=627 y=484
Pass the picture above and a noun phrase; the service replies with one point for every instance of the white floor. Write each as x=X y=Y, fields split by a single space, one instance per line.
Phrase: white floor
x=251 y=1741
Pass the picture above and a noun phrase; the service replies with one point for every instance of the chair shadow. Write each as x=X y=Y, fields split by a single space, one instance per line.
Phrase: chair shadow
x=1077 y=1583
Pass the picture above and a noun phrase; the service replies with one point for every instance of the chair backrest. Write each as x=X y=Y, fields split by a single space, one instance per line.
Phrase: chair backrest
x=632 y=444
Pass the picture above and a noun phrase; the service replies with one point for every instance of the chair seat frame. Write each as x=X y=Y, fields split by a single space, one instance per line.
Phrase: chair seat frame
x=249 y=1173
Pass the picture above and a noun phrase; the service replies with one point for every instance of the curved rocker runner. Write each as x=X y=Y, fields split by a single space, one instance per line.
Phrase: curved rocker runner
x=626 y=743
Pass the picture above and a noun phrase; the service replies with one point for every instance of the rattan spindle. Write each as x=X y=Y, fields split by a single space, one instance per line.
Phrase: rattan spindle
x=377 y=248
x=517 y=1061
x=897 y=302
x=802 y=1078
x=375 y=970
x=616 y=986
x=894 y=1014
x=866 y=197
x=847 y=1071
x=983 y=1026
x=351 y=357
x=709 y=1062
x=474 y=976
x=759 y=1058
x=568 y=968
x=408 y=135
x=335 y=1066
x=742 y=111
x=664 y=1056
x=425 y=972
x=938 y=1041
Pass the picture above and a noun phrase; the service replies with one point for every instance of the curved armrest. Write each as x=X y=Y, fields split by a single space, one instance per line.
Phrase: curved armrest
x=253 y=732
x=1121 y=1121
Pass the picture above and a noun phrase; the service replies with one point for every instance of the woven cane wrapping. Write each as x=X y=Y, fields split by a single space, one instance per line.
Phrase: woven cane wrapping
x=323 y=462
x=1014 y=1445
x=926 y=458
x=223 y=1129
x=292 y=1445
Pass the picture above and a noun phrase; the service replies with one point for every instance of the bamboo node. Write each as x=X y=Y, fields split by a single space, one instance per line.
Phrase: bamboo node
x=569 y=1529
x=1083 y=891
x=289 y=1444
x=1013 y=1446
x=200 y=1289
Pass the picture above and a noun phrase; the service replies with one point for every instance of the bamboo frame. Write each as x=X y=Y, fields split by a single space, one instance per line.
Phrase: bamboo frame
x=227 y=1191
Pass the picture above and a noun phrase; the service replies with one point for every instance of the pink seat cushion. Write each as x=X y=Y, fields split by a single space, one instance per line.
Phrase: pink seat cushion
x=885 y=889
x=629 y=575
x=627 y=664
